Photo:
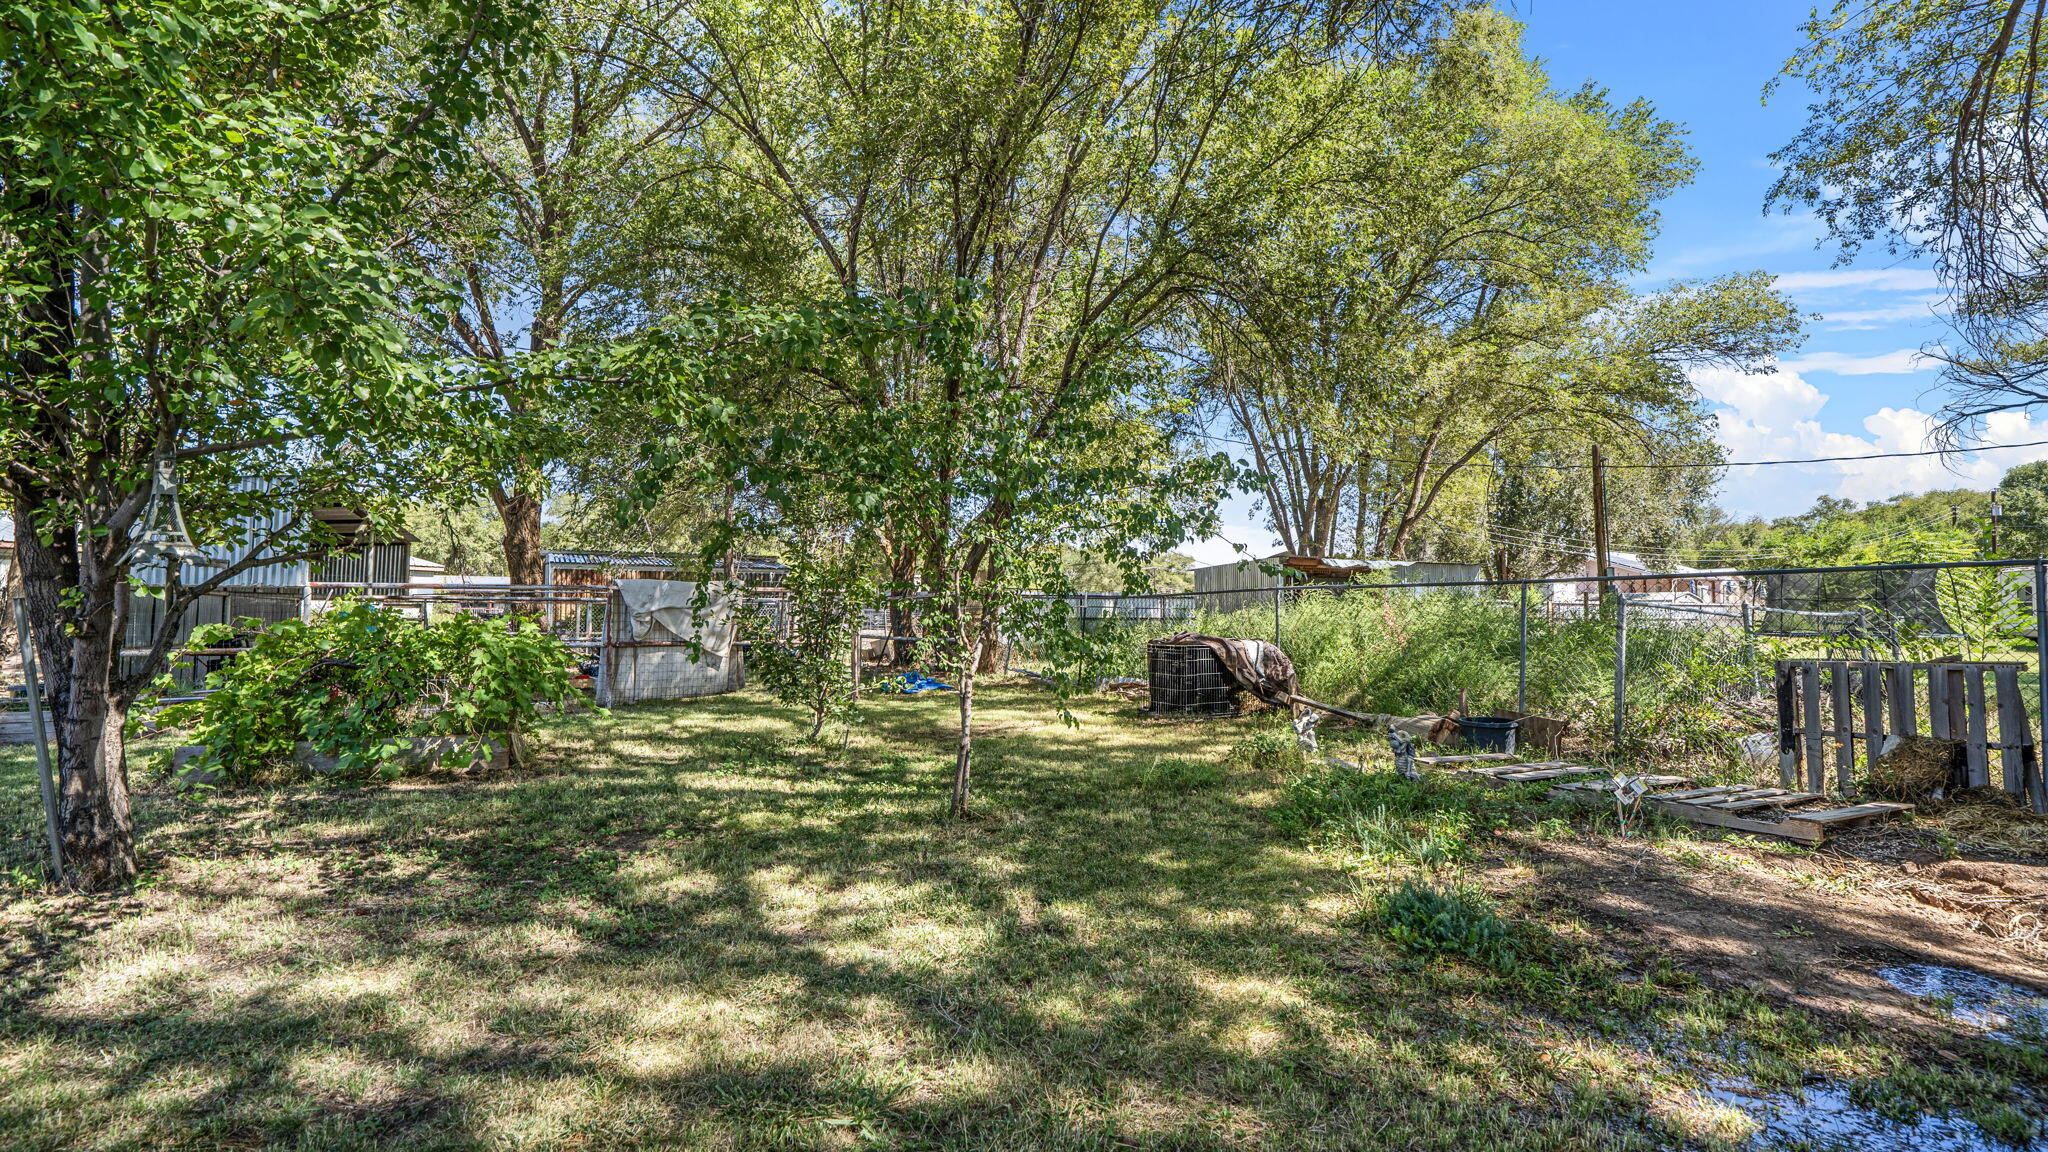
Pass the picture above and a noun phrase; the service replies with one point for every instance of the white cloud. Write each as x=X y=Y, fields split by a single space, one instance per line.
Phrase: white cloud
x=1903 y=362
x=1863 y=319
x=1770 y=416
x=1768 y=399
x=1859 y=279
x=1771 y=236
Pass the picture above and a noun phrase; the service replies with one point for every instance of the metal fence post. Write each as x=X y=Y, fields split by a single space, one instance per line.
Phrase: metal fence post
x=2037 y=790
x=1620 y=666
x=606 y=657
x=38 y=725
x=1276 y=615
x=1522 y=658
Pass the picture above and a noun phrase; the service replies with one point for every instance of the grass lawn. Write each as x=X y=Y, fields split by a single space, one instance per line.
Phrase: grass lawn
x=685 y=930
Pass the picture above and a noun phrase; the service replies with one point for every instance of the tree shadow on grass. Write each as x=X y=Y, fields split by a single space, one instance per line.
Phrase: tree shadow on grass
x=682 y=932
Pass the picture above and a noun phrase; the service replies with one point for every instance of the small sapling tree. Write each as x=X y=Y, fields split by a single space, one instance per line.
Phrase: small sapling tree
x=811 y=660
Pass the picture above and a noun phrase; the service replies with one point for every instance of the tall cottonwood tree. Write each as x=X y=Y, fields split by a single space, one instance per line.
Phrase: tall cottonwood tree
x=1082 y=162
x=1453 y=286
x=574 y=221
x=191 y=204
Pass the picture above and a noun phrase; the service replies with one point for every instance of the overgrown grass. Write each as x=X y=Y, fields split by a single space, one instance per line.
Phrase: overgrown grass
x=1404 y=653
x=686 y=930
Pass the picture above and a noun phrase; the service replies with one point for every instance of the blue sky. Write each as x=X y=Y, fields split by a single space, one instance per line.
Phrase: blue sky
x=1858 y=385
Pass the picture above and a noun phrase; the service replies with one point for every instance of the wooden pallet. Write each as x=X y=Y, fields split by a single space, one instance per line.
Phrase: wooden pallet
x=1466 y=758
x=1725 y=806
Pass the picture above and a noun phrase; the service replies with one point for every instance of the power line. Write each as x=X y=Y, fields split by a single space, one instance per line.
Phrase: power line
x=1563 y=466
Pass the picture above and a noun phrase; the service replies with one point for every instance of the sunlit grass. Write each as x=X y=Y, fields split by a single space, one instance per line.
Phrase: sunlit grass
x=687 y=930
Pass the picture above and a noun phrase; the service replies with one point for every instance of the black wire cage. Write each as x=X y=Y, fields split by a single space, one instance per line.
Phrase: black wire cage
x=1187 y=679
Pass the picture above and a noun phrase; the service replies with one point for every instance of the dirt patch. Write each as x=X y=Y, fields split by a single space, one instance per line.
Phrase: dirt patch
x=1807 y=930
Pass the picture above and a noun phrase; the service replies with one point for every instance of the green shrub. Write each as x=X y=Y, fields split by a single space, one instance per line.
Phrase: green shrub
x=358 y=680
x=1444 y=921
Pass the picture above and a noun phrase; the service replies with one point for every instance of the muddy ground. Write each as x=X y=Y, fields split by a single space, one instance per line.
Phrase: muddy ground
x=1810 y=928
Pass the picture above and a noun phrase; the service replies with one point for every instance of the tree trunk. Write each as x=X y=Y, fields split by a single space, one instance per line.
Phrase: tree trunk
x=93 y=814
x=519 y=511
x=75 y=651
x=903 y=617
x=963 y=758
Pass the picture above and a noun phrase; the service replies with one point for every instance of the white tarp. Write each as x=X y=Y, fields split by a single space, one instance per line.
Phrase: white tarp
x=658 y=621
x=667 y=610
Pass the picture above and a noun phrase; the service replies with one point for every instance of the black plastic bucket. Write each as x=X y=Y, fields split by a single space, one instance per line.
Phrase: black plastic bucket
x=1488 y=733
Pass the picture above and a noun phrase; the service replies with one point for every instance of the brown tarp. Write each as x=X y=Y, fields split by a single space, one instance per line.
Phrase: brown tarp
x=1258 y=666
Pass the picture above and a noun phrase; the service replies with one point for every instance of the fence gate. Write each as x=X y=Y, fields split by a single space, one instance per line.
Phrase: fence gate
x=1826 y=706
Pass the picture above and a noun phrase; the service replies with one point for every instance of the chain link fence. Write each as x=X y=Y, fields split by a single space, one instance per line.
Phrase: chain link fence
x=624 y=659
x=1656 y=668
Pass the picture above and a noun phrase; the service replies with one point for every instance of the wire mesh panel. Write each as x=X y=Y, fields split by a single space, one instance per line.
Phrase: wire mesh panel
x=696 y=654
x=1188 y=680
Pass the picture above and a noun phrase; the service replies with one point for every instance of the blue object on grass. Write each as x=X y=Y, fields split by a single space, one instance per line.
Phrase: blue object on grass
x=910 y=684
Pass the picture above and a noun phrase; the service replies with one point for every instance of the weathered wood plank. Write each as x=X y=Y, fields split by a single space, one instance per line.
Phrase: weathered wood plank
x=1809 y=699
x=1723 y=790
x=1780 y=801
x=1958 y=702
x=1854 y=814
x=1903 y=692
x=1785 y=688
x=1468 y=758
x=1803 y=833
x=1976 y=754
x=2013 y=733
x=1937 y=701
x=1842 y=719
x=1546 y=774
x=1872 y=684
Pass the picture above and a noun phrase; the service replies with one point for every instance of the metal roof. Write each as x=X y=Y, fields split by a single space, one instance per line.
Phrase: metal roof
x=607 y=560
x=648 y=560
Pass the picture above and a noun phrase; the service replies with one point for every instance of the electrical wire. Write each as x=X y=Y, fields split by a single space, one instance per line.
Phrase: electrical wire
x=1654 y=465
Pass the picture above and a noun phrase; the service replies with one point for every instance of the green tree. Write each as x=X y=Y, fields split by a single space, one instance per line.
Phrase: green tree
x=1084 y=164
x=572 y=226
x=466 y=538
x=1450 y=293
x=2023 y=504
x=1926 y=140
x=193 y=198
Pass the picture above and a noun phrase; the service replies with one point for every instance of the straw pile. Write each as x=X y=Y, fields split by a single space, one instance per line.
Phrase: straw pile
x=1915 y=769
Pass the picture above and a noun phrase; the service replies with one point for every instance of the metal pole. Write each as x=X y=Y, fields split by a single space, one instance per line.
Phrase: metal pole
x=1756 y=678
x=2037 y=792
x=1276 y=615
x=1603 y=564
x=1620 y=666
x=1522 y=669
x=36 y=724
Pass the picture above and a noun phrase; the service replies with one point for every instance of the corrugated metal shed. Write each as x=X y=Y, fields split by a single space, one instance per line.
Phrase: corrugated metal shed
x=594 y=567
x=1242 y=583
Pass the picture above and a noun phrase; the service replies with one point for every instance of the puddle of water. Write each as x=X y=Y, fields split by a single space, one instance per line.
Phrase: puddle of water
x=2007 y=1011
x=1823 y=1116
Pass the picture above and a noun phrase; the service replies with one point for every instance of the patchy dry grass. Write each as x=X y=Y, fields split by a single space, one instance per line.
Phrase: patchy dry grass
x=688 y=931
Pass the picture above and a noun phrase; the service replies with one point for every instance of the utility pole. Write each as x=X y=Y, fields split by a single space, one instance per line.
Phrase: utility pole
x=1601 y=562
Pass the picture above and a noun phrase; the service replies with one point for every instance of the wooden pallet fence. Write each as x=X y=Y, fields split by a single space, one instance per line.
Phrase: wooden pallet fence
x=1825 y=707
